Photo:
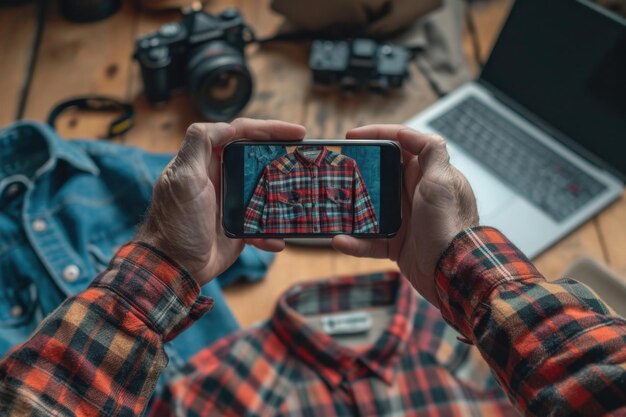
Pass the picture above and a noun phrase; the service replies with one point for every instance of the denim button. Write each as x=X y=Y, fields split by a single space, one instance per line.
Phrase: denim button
x=17 y=311
x=71 y=273
x=39 y=225
x=12 y=189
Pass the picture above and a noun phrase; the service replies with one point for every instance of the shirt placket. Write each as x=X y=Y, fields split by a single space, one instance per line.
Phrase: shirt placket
x=315 y=207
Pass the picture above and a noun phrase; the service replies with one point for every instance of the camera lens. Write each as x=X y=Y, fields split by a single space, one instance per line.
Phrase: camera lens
x=219 y=81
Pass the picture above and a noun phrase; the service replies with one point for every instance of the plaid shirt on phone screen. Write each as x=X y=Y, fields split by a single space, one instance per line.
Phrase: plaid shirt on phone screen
x=312 y=190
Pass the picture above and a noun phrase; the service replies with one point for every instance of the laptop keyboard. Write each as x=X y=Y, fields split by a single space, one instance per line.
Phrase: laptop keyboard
x=526 y=165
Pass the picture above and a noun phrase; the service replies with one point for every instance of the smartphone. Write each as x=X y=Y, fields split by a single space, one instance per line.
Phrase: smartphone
x=311 y=188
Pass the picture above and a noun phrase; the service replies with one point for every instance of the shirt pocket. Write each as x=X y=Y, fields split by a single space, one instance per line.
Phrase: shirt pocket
x=290 y=204
x=337 y=208
x=19 y=305
x=339 y=196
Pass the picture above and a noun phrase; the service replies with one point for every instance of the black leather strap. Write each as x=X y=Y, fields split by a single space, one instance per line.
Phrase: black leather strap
x=118 y=126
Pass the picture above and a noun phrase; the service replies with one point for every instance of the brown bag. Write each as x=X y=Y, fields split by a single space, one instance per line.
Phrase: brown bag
x=375 y=18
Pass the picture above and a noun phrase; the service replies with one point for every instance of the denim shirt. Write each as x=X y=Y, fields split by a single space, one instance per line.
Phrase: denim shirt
x=65 y=207
x=255 y=161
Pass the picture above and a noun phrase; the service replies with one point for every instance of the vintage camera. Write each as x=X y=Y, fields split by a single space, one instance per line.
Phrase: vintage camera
x=359 y=63
x=203 y=54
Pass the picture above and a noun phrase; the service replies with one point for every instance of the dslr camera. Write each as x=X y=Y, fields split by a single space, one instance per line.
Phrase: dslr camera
x=359 y=63
x=203 y=54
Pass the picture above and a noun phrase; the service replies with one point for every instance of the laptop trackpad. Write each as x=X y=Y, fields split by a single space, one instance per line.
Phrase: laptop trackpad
x=492 y=196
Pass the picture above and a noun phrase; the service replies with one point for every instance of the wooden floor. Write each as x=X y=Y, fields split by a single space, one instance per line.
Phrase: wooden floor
x=81 y=59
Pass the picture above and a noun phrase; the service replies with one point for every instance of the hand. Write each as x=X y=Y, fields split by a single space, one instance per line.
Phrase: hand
x=184 y=219
x=438 y=203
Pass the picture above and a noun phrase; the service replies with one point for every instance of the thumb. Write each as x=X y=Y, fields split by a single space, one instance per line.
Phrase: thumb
x=195 y=152
x=430 y=149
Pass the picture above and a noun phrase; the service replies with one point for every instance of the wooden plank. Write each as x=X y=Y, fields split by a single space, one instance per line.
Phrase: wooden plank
x=583 y=242
x=17 y=30
x=280 y=69
x=157 y=128
x=79 y=59
x=612 y=225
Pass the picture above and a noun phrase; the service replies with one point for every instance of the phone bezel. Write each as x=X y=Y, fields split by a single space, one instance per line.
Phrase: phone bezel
x=395 y=191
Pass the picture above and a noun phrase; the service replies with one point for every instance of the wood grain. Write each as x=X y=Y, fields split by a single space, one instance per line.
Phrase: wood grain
x=583 y=242
x=612 y=228
x=17 y=30
x=78 y=59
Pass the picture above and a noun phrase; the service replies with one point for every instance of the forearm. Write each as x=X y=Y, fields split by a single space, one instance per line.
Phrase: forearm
x=555 y=348
x=101 y=352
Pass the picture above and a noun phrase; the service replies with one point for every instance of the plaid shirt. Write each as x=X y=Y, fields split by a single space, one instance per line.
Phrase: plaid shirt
x=312 y=190
x=554 y=347
x=286 y=367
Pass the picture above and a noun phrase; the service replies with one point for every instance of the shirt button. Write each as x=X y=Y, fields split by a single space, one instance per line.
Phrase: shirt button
x=13 y=189
x=17 y=311
x=71 y=273
x=39 y=225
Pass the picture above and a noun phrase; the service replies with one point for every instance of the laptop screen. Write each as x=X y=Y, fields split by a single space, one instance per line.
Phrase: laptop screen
x=565 y=62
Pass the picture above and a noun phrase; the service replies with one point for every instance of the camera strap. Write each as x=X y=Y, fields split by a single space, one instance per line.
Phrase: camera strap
x=118 y=126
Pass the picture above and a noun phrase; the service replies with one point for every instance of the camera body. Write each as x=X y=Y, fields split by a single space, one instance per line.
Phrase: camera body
x=359 y=63
x=202 y=53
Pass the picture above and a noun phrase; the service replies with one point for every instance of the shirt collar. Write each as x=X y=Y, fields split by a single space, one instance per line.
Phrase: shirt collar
x=300 y=153
x=42 y=138
x=332 y=361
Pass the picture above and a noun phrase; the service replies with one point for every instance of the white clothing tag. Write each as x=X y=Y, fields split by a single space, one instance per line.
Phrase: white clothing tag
x=347 y=323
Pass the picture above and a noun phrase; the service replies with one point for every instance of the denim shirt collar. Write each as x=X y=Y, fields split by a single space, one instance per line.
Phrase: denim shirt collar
x=41 y=135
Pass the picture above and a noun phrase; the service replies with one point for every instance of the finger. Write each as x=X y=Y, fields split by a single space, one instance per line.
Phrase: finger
x=361 y=248
x=375 y=132
x=431 y=149
x=266 y=130
x=271 y=245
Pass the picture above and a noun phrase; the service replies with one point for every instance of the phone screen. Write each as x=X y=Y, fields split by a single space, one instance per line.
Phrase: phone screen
x=311 y=188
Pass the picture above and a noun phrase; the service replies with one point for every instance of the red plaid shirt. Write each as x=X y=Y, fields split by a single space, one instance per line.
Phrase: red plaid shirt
x=312 y=190
x=287 y=367
x=553 y=346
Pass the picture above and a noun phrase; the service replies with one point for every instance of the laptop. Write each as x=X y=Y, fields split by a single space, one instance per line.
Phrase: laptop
x=541 y=135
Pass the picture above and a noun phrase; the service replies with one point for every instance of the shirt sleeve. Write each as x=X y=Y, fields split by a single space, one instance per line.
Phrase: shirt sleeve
x=554 y=346
x=253 y=218
x=101 y=352
x=364 y=217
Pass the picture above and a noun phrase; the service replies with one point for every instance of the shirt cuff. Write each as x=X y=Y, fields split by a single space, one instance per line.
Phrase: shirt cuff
x=476 y=262
x=155 y=286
